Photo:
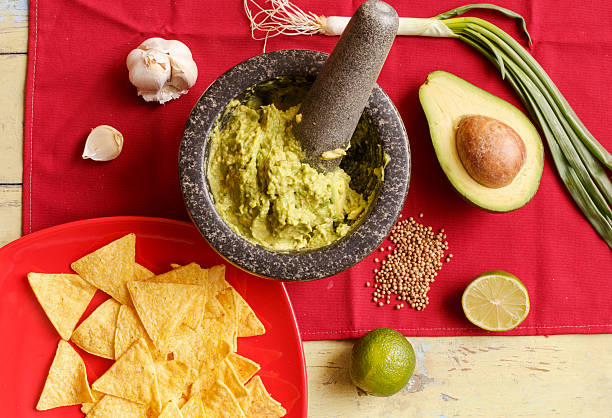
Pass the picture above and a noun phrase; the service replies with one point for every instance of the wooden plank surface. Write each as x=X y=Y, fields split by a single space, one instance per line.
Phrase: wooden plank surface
x=12 y=82
x=13 y=59
x=10 y=211
x=13 y=26
x=562 y=375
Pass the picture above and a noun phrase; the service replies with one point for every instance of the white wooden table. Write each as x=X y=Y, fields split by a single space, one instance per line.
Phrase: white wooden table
x=564 y=375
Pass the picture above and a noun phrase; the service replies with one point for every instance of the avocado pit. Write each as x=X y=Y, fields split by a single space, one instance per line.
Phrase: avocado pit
x=446 y=100
x=490 y=150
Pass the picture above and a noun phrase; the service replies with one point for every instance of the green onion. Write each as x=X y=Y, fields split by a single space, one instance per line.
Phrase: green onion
x=578 y=157
x=580 y=160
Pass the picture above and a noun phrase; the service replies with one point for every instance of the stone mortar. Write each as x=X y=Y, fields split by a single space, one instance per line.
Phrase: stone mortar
x=299 y=265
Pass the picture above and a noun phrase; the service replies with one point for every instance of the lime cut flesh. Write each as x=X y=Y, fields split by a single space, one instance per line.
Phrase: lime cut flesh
x=495 y=301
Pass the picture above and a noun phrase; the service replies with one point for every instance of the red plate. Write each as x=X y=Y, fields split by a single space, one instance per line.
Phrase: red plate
x=28 y=340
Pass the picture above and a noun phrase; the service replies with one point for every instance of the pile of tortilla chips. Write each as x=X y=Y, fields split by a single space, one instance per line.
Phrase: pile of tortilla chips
x=173 y=337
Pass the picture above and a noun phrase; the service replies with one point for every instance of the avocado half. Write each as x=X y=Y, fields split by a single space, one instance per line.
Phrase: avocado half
x=446 y=98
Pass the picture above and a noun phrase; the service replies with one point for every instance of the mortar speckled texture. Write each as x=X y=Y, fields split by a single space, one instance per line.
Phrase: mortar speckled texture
x=332 y=108
x=295 y=266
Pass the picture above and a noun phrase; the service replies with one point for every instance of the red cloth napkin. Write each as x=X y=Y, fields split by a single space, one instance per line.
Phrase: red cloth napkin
x=77 y=79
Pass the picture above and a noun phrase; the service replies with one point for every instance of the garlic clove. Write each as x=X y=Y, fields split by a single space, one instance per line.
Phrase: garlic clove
x=104 y=143
x=184 y=75
x=155 y=43
x=149 y=70
x=162 y=96
x=177 y=49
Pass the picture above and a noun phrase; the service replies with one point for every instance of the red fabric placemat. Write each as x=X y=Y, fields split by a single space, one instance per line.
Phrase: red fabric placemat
x=77 y=79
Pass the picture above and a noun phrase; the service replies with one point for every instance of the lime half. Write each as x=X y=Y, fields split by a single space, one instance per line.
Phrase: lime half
x=496 y=301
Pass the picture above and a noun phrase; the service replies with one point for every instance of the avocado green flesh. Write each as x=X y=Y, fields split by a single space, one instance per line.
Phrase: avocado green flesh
x=446 y=98
x=264 y=191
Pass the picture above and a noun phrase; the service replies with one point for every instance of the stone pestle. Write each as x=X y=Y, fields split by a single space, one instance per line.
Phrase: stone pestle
x=332 y=108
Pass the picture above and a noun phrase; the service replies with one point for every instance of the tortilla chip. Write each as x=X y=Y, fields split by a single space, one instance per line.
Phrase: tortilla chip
x=198 y=349
x=225 y=326
x=231 y=380
x=225 y=373
x=193 y=318
x=249 y=324
x=220 y=402
x=162 y=306
x=63 y=297
x=260 y=403
x=132 y=376
x=180 y=402
x=110 y=267
x=96 y=334
x=66 y=383
x=245 y=368
x=129 y=329
x=193 y=408
x=204 y=382
x=112 y=407
x=173 y=379
x=171 y=411
x=213 y=309
x=216 y=278
x=142 y=273
x=88 y=406
x=191 y=274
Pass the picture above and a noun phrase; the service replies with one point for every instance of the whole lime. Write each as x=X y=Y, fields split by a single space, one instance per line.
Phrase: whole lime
x=382 y=362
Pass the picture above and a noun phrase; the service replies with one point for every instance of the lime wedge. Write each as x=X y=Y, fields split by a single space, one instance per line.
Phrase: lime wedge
x=495 y=301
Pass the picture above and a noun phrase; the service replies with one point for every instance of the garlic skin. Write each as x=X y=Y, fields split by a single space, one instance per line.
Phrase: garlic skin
x=104 y=143
x=161 y=69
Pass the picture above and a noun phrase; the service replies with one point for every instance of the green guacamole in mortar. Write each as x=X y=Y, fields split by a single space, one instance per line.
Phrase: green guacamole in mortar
x=264 y=191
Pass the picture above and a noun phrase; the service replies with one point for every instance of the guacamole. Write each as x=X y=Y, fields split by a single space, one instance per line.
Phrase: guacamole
x=264 y=191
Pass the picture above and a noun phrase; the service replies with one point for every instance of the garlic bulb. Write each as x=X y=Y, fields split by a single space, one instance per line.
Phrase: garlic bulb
x=104 y=143
x=162 y=69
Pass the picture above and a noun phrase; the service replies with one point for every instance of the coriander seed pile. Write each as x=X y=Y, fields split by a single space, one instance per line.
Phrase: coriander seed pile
x=411 y=266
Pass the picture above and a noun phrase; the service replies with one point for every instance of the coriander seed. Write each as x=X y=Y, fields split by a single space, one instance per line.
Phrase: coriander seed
x=413 y=262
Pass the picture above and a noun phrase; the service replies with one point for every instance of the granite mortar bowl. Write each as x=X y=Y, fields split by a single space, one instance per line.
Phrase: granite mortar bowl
x=305 y=265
